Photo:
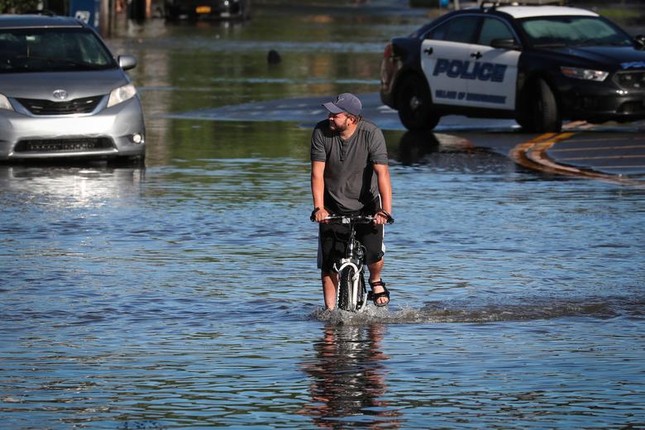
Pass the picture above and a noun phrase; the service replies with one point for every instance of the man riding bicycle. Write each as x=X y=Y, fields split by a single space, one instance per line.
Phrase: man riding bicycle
x=350 y=175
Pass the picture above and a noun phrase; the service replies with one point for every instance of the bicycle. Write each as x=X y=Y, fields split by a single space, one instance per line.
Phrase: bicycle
x=352 y=292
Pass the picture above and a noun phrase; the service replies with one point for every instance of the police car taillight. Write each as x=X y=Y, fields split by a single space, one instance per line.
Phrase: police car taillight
x=387 y=53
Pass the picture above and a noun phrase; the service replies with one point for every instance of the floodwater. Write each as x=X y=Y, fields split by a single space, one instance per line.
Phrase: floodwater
x=185 y=295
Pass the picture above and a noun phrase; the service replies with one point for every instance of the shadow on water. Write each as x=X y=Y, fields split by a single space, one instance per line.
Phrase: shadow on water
x=443 y=151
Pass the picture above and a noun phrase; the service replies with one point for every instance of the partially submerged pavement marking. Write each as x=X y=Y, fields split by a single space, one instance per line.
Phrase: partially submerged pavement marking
x=532 y=155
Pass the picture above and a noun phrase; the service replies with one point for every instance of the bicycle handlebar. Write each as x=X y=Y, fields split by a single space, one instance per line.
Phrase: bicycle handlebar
x=348 y=219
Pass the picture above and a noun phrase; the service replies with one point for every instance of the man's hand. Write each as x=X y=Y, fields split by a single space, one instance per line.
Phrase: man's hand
x=319 y=215
x=382 y=217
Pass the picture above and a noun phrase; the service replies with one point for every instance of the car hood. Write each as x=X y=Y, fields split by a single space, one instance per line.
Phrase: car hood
x=76 y=84
x=608 y=57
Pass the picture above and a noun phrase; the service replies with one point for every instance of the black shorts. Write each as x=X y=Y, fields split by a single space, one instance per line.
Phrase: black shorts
x=332 y=241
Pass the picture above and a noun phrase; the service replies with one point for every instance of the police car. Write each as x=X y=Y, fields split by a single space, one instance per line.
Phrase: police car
x=535 y=64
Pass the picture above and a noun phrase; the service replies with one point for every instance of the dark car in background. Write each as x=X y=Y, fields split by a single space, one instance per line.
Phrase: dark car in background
x=207 y=9
x=63 y=94
x=535 y=64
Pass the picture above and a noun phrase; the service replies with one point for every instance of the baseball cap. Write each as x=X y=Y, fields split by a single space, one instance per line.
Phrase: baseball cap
x=345 y=102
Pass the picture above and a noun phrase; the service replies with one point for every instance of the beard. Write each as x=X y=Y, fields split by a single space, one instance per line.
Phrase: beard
x=334 y=126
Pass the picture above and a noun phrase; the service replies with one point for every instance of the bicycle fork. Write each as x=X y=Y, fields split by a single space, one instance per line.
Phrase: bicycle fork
x=353 y=262
x=355 y=293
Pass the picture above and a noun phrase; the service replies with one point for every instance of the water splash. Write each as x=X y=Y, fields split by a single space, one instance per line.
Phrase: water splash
x=462 y=312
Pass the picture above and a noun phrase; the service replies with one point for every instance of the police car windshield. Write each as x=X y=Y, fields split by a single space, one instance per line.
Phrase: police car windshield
x=52 y=50
x=552 y=31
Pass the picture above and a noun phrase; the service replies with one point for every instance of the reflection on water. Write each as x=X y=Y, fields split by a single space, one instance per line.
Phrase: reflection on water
x=72 y=186
x=348 y=379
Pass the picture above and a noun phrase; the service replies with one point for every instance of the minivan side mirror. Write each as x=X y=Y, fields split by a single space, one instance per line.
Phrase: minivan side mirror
x=127 y=62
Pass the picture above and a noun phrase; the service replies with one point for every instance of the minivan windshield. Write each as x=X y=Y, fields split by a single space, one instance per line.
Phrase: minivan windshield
x=557 y=31
x=52 y=50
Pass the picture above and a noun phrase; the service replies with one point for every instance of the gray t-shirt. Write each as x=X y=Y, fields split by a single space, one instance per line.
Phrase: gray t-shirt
x=350 y=182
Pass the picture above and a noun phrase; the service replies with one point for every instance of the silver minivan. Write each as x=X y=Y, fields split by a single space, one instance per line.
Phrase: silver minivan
x=64 y=95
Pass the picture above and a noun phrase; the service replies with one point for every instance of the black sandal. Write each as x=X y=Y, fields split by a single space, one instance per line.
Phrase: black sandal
x=375 y=296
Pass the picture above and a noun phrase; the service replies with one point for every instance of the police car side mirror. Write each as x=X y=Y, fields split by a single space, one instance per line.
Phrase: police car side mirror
x=508 y=44
x=640 y=41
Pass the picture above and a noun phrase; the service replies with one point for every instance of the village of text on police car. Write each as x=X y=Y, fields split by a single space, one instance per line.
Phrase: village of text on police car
x=535 y=64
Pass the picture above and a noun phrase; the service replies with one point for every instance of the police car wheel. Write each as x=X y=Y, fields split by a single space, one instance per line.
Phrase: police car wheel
x=415 y=104
x=540 y=110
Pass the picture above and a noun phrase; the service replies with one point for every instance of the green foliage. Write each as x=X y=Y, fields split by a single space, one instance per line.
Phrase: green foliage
x=17 y=6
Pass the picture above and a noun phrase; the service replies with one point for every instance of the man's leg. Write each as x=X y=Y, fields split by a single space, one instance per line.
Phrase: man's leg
x=330 y=285
x=329 y=248
x=375 y=276
x=372 y=238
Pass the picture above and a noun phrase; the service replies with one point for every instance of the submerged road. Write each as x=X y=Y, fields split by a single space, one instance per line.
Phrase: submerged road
x=611 y=152
x=615 y=154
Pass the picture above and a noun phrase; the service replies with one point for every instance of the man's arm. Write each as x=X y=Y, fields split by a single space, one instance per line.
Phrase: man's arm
x=318 y=189
x=385 y=190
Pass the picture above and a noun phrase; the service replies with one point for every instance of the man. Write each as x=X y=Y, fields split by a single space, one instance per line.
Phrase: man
x=350 y=175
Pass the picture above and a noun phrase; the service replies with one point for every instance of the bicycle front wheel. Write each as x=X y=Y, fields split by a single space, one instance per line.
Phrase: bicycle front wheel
x=352 y=294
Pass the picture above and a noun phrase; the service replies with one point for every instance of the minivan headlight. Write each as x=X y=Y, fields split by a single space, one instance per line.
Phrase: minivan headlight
x=121 y=94
x=584 y=74
x=4 y=103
